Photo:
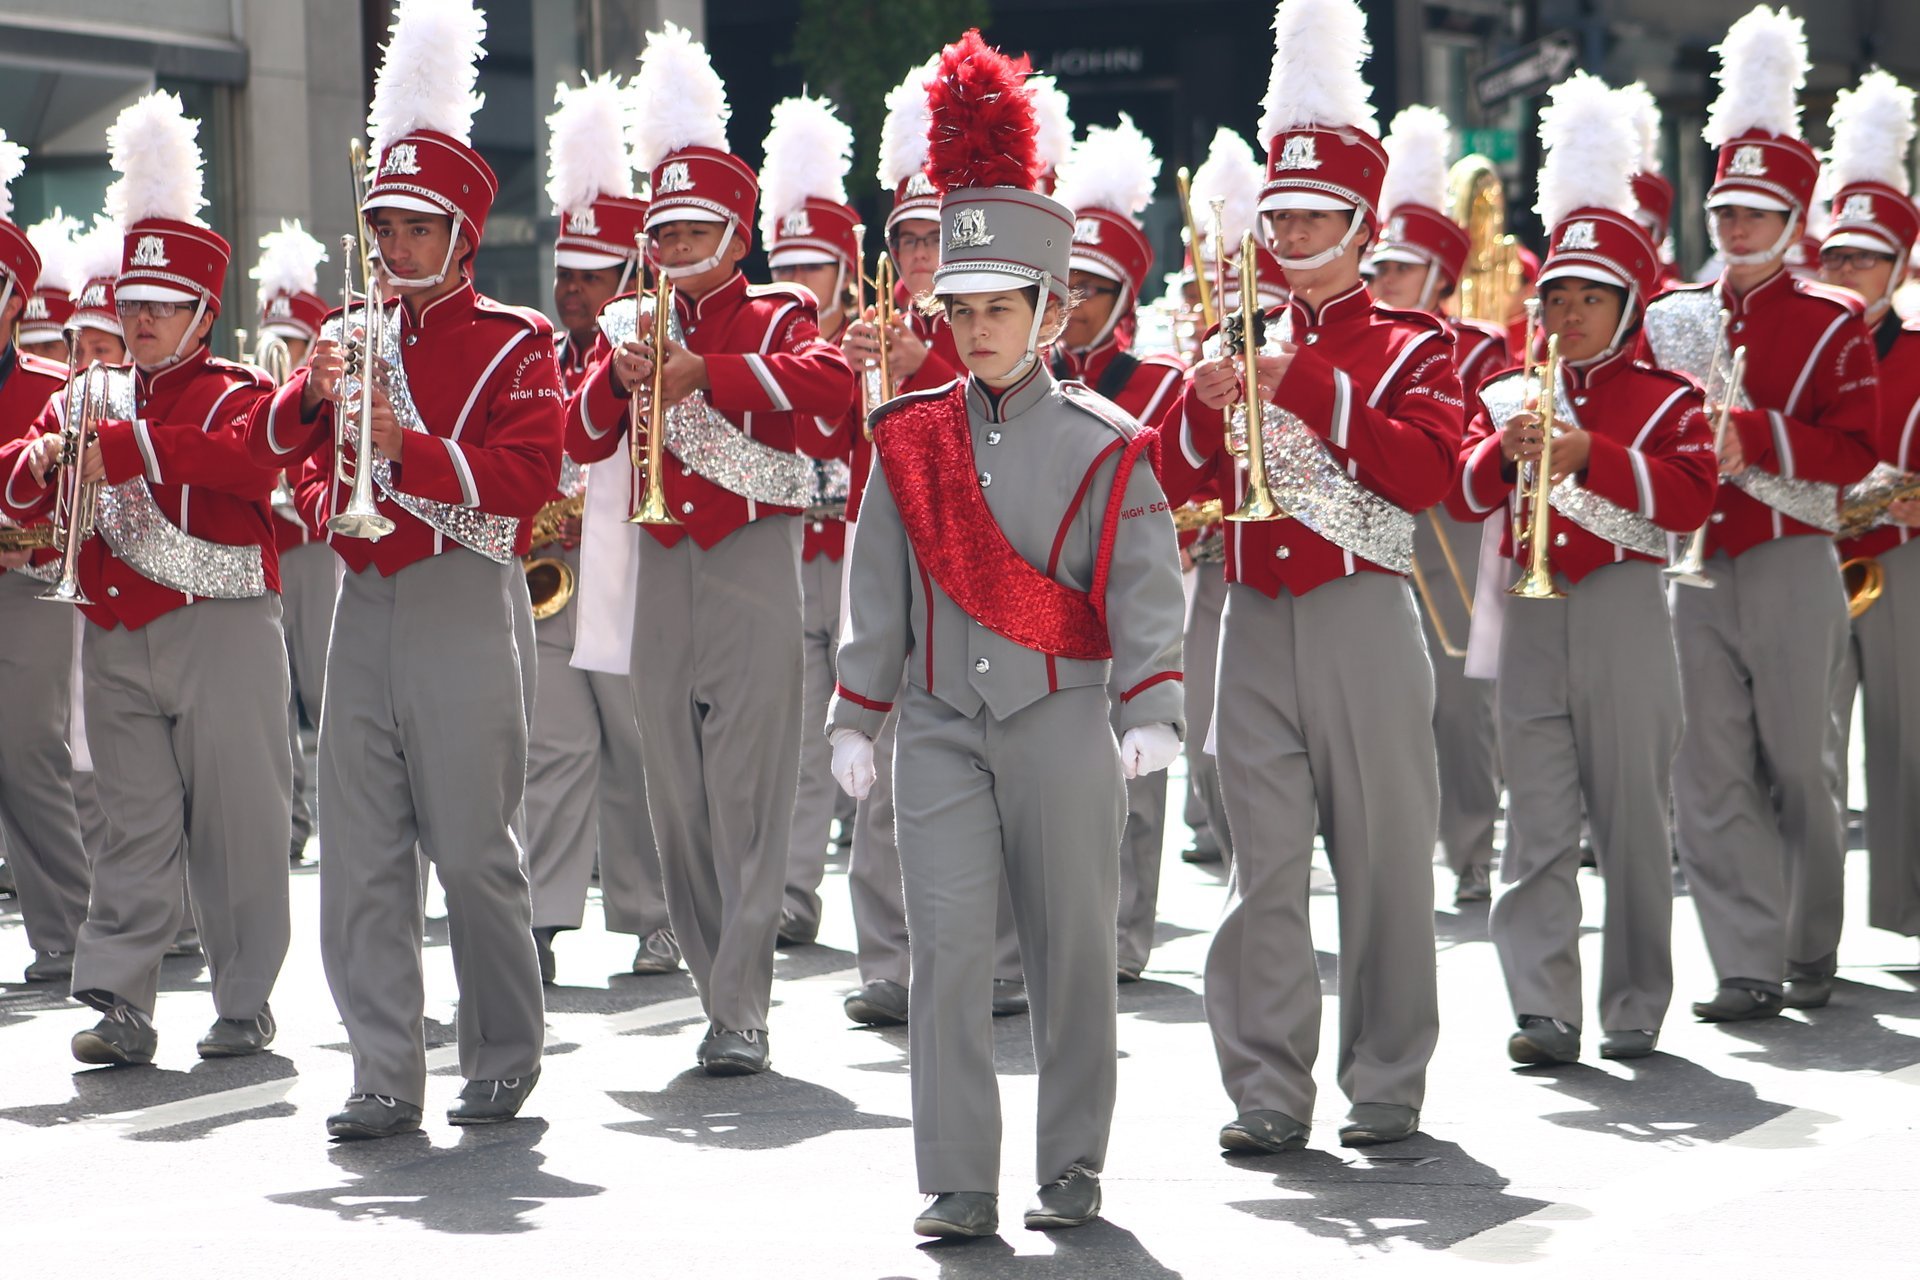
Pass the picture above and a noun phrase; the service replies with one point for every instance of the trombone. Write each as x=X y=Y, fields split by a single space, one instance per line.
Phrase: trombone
x=1209 y=311
x=1690 y=570
x=361 y=518
x=1536 y=581
x=75 y=498
x=1259 y=503
x=650 y=458
x=1432 y=606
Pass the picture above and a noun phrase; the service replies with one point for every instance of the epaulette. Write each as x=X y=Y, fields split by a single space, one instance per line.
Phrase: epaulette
x=1164 y=360
x=1685 y=286
x=527 y=316
x=1423 y=319
x=1668 y=375
x=257 y=376
x=784 y=290
x=1827 y=293
x=906 y=398
x=45 y=368
x=1483 y=328
x=1091 y=402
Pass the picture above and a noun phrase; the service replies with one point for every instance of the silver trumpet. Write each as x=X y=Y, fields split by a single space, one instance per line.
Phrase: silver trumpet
x=75 y=497
x=353 y=422
x=1690 y=570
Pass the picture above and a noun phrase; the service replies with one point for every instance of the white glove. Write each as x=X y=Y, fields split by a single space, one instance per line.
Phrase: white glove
x=853 y=762
x=1145 y=749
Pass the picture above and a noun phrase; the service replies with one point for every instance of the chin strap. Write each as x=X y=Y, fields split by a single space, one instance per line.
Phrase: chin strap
x=446 y=263
x=1032 y=355
x=180 y=348
x=1325 y=258
x=1876 y=310
x=705 y=265
x=1429 y=288
x=1113 y=317
x=6 y=296
x=1780 y=246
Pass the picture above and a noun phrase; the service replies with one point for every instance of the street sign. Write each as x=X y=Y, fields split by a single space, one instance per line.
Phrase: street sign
x=1530 y=71
x=1502 y=146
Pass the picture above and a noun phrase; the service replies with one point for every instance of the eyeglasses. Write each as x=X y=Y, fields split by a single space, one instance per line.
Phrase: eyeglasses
x=153 y=310
x=1852 y=259
x=914 y=244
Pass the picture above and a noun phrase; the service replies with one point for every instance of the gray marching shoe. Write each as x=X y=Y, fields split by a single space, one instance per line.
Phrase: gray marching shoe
x=1373 y=1124
x=659 y=953
x=185 y=943
x=959 y=1214
x=492 y=1101
x=1807 y=988
x=1475 y=884
x=734 y=1053
x=123 y=1038
x=1264 y=1133
x=1628 y=1044
x=373 y=1115
x=1543 y=1041
x=1071 y=1200
x=878 y=1004
x=543 y=935
x=1738 y=1004
x=1009 y=997
x=238 y=1037
x=793 y=932
x=50 y=966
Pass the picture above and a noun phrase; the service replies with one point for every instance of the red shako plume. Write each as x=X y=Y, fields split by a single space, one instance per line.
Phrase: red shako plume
x=983 y=132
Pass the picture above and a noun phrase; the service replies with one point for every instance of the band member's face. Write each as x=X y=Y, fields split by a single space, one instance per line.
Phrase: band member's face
x=1189 y=295
x=1865 y=272
x=153 y=339
x=991 y=330
x=54 y=350
x=1302 y=233
x=578 y=295
x=1741 y=230
x=1400 y=284
x=413 y=245
x=97 y=344
x=822 y=280
x=916 y=252
x=1583 y=314
x=1098 y=297
x=681 y=244
x=11 y=312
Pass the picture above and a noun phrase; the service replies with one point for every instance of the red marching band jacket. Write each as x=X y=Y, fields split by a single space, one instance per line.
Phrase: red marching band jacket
x=189 y=445
x=24 y=392
x=1651 y=454
x=769 y=373
x=1378 y=387
x=484 y=379
x=1479 y=352
x=1895 y=438
x=1812 y=377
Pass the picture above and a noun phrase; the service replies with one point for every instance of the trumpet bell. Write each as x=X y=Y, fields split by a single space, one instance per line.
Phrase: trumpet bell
x=1864 y=580
x=653 y=508
x=354 y=523
x=65 y=591
x=1258 y=505
x=1681 y=575
x=1536 y=584
x=550 y=585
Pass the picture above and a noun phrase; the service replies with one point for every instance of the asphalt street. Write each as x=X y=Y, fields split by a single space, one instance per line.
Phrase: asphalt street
x=1784 y=1148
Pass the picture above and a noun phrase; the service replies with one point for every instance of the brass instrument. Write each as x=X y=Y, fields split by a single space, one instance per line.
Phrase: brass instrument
x=1209 y=310
x=1425 y=592
x=1218 y=240
x=551 y=580
x=361 y=518
x=1690 y=570
x=1529 y=370
x=1863 y=505
x=75 y=498
x=884 y=315
x=1536 y=581
x=1193 y=516
x=650 y=458
x=33 y=537
x=1477 y=200
x=1864 y=578
x=1259 y=503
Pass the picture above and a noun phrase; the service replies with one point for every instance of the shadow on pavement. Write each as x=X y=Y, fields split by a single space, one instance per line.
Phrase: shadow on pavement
x=1097 y=1249
x=1848 y=1035
x=1666 y=1100
x=485 y=1184
x=106 y=1091
x=745 y=1113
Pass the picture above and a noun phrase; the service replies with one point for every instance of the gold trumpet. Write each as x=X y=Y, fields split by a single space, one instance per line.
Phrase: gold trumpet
x=1209 y=310
x=1536 y=582
x=1865 y=579
x=1259 y=503
x=1690 y=570
x=650 y=458
x=550 y=580
x=75 y=498
x=878 y=381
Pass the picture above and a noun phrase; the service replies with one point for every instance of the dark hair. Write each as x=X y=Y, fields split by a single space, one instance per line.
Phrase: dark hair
x=1619 y=294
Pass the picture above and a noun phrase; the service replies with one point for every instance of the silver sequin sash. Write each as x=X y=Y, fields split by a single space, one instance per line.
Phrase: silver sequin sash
x=573 y=478
x=492 y=536
x=713 y=448
x=1683 y=329
x=832 y=484
x=1602 y=517
x=1312 y=487
x=155 y=547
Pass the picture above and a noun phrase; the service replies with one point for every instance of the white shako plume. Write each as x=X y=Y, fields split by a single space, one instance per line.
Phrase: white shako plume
x=1231 y=173
x=427 y=73
x=13 y=163
x=1873 y=131
x=589 y=143
x=1053 y=123
x=903 y=135
x=681 y=100
x=808 y=152
x=1419 y=144
x=52 y=239
x=151 y=145
x=1763 y=67
x=289 y=263
x=1591 y=148
x=96 y=251
x=1111 y=168
x=1640 y=104
x=1319 y=48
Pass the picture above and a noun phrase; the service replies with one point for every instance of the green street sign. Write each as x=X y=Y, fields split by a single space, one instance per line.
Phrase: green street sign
x=1502 y=146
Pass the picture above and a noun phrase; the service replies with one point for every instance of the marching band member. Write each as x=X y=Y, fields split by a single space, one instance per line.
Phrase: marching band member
x=1588 y=689
x=813 y=241
x=1107 y=180
x=39 y=828
x=1004 y=718
x=1417 y=267
x=586 y=784
x=1755 y=781
x=1866 y=250
x=1653 y=195
x=1325 y=701
x=717 y=633
x=98 y=332
x=422 y=743
x=185 y=668
x=291 y=312
x=49 y=313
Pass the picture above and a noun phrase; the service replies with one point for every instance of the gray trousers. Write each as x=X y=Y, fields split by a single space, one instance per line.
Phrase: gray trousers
x=1463 y=730
x=1589 y=709
x=1755 y=781
x=186 y=719
x=423 y=742
x=716 y=657
x=814 y=804
x=39 y=826
x=1141 y=844
x=587 y=792
x=1883 y=643
x=1206 y=812
x=1326 y=708
x=309 y=581
x=1035 y=800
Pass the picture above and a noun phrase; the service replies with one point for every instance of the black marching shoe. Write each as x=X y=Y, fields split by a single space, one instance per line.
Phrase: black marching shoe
x=1738 y=1004
x=492 y=1101
x=1009 y=997
x=1263 y=1133
x=1807 y=988
x=1543 y=1041
x=123 y=1038
x=959 y=1215
x=238 y=1037
x=878 y=1004
x=1373 y=1124
x=1475 y=884
x=50 y=966
x=373 y=1115
x=1628 y=1044
x=793 y=933
x=734 y=1053
x=1070 y=1200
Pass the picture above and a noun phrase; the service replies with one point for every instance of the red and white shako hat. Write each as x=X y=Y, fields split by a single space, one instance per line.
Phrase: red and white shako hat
x=167 y=253
x=421 y=122
x=1754 y=124
x=903 y=148
x=682 y=140
x=50 y=306
x=1107 y=180
x=1231 y=176
x=1873 y=132
x=1417 y=228
x=1053 y=131
x=1586 y=192
x=1652 y=193
x=805 y=219
x=19 y=262
x=96 y=256
x=590 y=165
x=288 y=279
x=1317 y=121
